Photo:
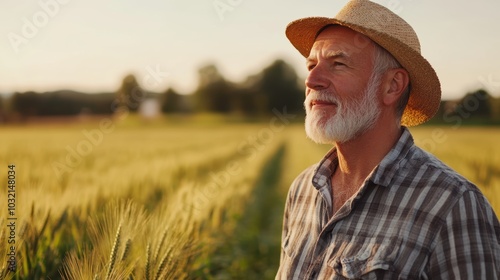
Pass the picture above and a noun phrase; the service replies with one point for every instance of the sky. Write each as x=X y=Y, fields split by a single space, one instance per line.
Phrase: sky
x=90 y=45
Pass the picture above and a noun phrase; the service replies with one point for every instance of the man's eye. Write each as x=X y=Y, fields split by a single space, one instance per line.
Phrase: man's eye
x=337 y=63
x=311 y=66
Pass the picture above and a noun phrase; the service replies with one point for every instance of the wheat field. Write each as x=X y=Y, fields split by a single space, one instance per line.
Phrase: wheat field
x=172 y=199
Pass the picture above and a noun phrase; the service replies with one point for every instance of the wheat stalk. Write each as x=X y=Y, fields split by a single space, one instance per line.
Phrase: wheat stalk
x=163 y=263
x=162 y=240
x=126 y=250
x=148 y=261
x=161 y=267
x=114 y=251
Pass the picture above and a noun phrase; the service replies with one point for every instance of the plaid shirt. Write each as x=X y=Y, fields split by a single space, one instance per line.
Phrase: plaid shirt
x=413 y=218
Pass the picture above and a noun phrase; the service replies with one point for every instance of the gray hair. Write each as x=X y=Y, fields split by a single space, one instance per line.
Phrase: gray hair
x=384 y=61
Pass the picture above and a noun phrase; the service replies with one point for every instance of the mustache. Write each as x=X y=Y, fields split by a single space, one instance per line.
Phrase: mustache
x=320 y=95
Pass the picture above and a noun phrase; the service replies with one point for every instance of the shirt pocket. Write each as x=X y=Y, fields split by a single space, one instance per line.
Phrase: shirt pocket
x=368 y=259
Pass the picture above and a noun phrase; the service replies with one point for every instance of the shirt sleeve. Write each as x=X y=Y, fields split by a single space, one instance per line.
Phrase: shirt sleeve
x=468 y=244
x=281 y=270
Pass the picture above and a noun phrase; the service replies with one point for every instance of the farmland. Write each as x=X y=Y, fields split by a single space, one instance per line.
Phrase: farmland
x=173 y=199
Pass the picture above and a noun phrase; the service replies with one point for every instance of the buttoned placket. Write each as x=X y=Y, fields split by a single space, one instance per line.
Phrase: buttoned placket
x=323 y=241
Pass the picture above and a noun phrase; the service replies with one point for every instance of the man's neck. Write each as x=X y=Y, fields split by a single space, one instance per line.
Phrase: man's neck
x=358 y=157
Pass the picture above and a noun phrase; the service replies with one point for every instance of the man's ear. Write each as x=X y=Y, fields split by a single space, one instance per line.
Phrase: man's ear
x=397 y=80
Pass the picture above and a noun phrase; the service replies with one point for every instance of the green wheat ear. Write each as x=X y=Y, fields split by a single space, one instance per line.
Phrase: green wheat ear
x=148 y=262
x=114 y=251
x=161 y=267
x=126 y=250
x=163 y=263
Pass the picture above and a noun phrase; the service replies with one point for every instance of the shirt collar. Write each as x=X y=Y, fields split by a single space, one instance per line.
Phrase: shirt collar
x=324 y=170
x=382 y=175
x=387 y=169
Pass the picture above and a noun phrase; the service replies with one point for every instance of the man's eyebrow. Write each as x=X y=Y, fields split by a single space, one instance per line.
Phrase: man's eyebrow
x=331 y=55
x=337 y=54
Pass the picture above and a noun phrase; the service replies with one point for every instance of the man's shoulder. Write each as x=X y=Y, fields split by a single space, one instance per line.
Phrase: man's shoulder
x=409 y=166
x=424 y=171
x=303 y=181
x=430 y=171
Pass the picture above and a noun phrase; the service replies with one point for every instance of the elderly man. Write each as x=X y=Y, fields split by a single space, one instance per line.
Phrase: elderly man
x=377 y=206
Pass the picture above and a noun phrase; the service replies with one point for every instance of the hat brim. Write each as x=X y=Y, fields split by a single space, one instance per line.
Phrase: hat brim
x=425 y=95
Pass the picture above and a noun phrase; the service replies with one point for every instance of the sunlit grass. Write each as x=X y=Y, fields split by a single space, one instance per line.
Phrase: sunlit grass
x=151 y=199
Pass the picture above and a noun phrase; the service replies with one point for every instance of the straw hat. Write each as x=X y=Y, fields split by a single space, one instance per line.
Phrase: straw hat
x=392 y=33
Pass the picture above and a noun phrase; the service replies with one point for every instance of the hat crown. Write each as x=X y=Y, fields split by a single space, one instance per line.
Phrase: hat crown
x=375 y=17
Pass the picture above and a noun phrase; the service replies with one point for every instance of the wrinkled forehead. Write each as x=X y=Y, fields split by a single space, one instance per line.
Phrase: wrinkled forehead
x=341 y=39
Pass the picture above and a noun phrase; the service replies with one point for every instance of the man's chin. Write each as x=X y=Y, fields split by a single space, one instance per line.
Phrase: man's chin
x=316 y=131
x=321 y=131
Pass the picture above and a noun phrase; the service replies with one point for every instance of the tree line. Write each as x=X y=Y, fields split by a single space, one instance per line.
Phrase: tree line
x=276 y=86
x=477 y=107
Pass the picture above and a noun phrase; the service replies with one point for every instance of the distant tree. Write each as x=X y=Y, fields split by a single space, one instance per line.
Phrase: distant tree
x=59 y=104
x=171 y=101
x=279 y=82
x=248 y=99
x=214 y=93
x=130 y=94
x=3 y=110
x=495 y=108
x=474 y=105
x=100 y=103
x=244 y=101
x=26 y=104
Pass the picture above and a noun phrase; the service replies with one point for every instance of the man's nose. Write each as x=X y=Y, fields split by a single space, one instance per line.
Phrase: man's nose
x=316 y=79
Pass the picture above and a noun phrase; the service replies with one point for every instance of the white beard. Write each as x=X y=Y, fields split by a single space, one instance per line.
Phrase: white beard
x=348 y=121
